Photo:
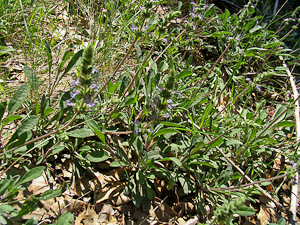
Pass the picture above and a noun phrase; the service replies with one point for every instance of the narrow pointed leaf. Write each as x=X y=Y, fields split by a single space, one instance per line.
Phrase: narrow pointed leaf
x=32 y=174
x=32 y=78
x=18 y=98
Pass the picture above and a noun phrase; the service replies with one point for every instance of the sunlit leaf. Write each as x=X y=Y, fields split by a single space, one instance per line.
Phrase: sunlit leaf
x=32 y=174
x=18 y=98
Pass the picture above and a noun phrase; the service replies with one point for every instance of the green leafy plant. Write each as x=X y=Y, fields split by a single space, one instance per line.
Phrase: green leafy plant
x=186 y=103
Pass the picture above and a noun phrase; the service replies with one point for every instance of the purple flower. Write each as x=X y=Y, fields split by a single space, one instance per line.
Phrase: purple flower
x=145 y=28
x=88 y=101
x=170 y=101
x=194 y=27
x=158 y=88
x=136 y=122
x=239 y=37
x=95 y=69
x=150 y=130
x=137 y=131
x=195 y=8
x=165 y=40
x=94 y=86
x=192 y=14
x=133 y=27
x=258 y=88
x=70 y=103
x=205 y=6
x=166 y=115
x=153 y=104
x=76 y=82
x=74 y=93
x=192 y=3
x=294 y=164
x=177 y=93
x=142 y=8
x=248 y=79
x=171 y=106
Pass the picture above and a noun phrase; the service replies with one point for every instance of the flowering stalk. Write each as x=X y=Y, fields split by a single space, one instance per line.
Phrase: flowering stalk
x=82 y=96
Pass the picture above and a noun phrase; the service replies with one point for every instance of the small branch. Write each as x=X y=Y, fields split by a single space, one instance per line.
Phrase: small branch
x=117 y=69
x=133 y=79
x=208 y=73
x=294 y=189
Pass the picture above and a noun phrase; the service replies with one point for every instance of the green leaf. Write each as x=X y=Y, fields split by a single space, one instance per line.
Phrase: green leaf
x=216 y=143
x=32 y=174
x=80 y=133
x=256 y=28
x=245 y=211
x=65 y=219
x=117 y=164
x=281 y=68
x=6 y=208
x=94 y=126
x=27 y=125
x=18 y=98
x=2 y=108
x=2 y=220
x=279 y=110
x=12 y=118
x=285 y=124
x=282 y=221
x=4 y=50
x=56 y=150
x=32 y=78
x=48 y=51
x=97 y=156
x=52 y=193
x=73 y=61
x=233 y=142
x=4 y=185
x=203 y=163
x=166 y=131
x=32 y=221
x=48 y=111
x=171 y=124
x=64 y=59
x=183 y=74
x=173 y=159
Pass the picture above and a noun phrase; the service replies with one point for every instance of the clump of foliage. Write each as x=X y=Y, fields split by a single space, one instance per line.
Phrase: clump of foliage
x=193 y=108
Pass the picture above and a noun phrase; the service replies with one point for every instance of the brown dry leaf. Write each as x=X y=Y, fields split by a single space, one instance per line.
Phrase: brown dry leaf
x=110 y=186
x=111 y=220
x=120 y=200
x=263 y=216
x=82 y=185
x=38 y=186
x=80 y=218
x=184 y=208
x=163 y=212
x=67 y=205
x=91 y=217
x=105 y=211
x=180 y=221
x=39 y=214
